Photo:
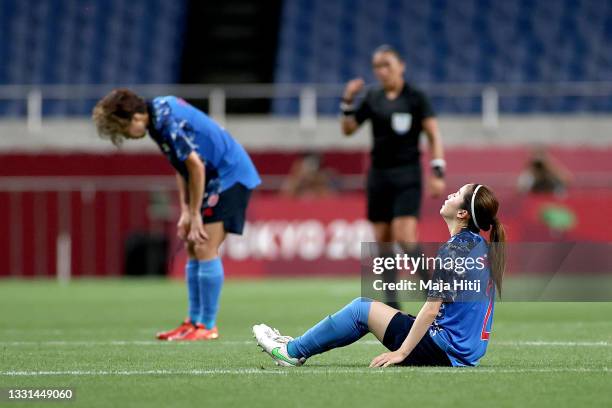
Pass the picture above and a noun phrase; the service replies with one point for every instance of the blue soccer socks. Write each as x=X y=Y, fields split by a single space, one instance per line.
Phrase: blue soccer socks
x=210 y=277
x=340 y=329
x=193 y=289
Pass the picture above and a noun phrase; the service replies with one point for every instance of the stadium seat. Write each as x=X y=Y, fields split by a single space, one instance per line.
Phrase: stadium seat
x=471 y=41
x=88 y=42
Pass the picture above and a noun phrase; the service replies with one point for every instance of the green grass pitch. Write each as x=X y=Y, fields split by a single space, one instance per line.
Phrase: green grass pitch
x=97 y=337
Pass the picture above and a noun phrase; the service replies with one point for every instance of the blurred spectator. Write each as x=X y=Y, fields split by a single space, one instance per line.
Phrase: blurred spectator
x=308 y=178
x=544 y=175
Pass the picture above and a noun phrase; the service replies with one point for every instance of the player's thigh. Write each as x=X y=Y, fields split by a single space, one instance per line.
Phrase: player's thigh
x=405 y=229
x=209 y=249
x=379 y=318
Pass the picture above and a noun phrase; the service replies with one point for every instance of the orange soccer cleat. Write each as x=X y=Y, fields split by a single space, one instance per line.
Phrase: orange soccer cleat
x=198 y=332
x=184 y=328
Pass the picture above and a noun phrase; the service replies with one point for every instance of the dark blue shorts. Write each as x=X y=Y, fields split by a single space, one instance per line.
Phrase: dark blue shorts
x=426 y=353
x=229 y=207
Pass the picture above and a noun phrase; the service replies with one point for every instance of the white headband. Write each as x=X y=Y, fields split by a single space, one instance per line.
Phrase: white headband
x=473 y=212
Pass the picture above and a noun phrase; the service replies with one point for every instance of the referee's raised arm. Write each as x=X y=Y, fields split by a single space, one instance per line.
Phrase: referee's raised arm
x=349 y=123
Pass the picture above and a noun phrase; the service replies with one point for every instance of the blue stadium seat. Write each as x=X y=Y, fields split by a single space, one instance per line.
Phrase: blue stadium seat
x=468 y=41
x=88 y=42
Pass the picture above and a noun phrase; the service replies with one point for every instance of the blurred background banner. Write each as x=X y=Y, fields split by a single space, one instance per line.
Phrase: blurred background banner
x=523 y=93
x=84 y=222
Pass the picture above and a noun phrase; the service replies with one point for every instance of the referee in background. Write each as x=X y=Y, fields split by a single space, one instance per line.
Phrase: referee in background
x=398 y=113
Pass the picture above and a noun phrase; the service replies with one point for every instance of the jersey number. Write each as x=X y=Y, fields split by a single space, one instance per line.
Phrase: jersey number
x=484 y=334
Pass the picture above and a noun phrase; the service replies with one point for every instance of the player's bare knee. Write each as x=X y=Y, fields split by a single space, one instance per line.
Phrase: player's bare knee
x=358 y=300
x=205 y=251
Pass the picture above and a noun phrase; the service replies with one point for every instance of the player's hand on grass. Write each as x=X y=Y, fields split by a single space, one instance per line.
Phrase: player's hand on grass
x=182 y=226
x=388 y=359
x=197 y=233
x=352 y=88
x=436 y=186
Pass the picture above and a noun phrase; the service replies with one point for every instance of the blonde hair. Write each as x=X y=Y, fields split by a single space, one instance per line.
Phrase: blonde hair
x=113 y=113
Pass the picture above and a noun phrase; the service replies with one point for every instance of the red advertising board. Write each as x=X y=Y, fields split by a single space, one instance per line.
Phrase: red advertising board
x=286 y=237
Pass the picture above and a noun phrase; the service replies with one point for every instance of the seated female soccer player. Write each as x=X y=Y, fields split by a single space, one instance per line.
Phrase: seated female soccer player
x=453 y=326
x=215 y=177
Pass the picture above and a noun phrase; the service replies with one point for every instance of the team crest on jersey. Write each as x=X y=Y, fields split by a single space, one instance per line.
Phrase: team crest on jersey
x=211 y=196
x=400 y=122
x=212 y=200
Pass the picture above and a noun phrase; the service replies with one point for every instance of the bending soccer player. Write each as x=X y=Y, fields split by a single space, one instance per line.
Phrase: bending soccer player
x=451 y=329
x=215 y=178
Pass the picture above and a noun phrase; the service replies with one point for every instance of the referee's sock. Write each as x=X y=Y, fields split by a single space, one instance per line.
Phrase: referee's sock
x=210 y=277
x=340 y=329
x=193 y=289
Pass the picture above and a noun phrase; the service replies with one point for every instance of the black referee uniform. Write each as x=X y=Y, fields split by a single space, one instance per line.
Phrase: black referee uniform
x=394 y=185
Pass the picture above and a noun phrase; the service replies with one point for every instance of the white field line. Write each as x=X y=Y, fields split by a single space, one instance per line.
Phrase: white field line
x=72 y=331
x=543 y=343
x=93 y=343
x=62 y=333
x=149 y=330
x=305 y=371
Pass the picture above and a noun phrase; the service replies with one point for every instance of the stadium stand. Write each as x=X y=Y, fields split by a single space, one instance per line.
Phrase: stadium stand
x=510 y=42
x=88 y=42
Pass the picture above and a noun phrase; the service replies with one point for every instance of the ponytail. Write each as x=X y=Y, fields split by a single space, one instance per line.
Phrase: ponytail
x=497 y=253
x=482 y=205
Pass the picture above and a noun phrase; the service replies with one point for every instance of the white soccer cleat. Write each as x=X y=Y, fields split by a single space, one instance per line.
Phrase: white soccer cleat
x=275 y=344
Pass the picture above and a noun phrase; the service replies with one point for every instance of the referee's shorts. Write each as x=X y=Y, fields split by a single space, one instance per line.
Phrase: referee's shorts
x=394 y=192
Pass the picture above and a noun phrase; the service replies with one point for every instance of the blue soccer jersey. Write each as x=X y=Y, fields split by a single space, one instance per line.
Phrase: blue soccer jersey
x=464 y=322
x=180 y=129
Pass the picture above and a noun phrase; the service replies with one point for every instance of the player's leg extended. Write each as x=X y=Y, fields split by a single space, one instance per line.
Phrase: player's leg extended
x=344 y=327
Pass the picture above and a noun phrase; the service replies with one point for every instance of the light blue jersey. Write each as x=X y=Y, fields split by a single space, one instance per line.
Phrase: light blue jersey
x=464 y=322
x=180 y=129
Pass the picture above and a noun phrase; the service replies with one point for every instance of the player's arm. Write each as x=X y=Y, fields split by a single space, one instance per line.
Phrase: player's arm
x=421 y=324
x=430 y=126
x=349 y=121
x=195 y=194
x=438 y=164
x=182 y=190
x=184 y=220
